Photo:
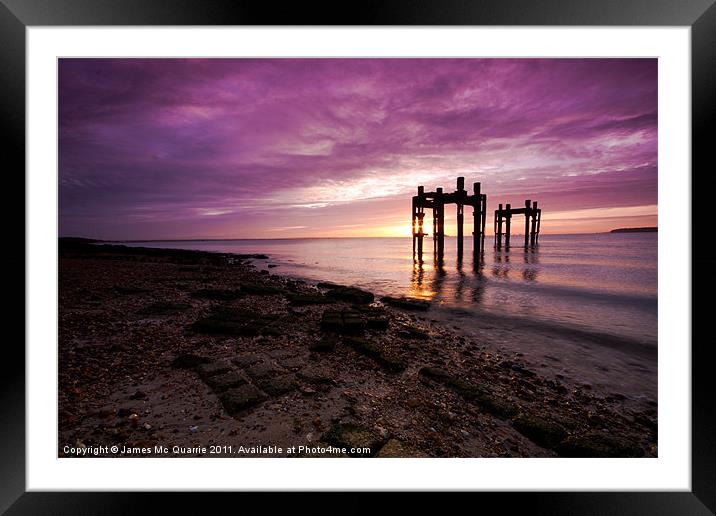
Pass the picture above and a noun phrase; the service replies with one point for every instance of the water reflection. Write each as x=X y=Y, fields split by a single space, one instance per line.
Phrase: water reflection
x=459 y=284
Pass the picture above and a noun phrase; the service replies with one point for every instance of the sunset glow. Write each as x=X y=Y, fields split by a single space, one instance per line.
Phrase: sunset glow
x=285 y=148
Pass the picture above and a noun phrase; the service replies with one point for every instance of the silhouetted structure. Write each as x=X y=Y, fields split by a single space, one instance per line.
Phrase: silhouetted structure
x=437 y=201
x=533 y=218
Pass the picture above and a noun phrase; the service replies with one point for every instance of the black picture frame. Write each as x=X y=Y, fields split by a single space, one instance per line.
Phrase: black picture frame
x=700 y=15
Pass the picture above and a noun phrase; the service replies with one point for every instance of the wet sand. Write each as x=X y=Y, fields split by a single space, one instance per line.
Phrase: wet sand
x=184 y=353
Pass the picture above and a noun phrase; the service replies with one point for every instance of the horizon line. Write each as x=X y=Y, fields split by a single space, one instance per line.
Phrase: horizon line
x=123 y=240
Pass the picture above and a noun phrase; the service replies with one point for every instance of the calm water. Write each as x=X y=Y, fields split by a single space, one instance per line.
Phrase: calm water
x=602 y=283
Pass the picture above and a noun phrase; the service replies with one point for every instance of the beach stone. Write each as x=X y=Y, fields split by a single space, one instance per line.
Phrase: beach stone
x=221 y=382
x=307 y=299
x=353 y=322
x=316 y=374
x=258 y=289
x=329 y=285
x=332 y=320
x=377 y=322
x=325 y=344
x=293 y=363
x=435 y=373
x=594 y=444
x=486 y=401
x=343 y=321
x=543 y=432
x=121 y=289
x=351 y=294
x=212 y=369
x=387 y=361
x=241 y=398
x=411 y=332
x=161 y=308
x=246 y=359
x=406 y=303
x=353 y=437
x=231 y=321
x=217 y=294
x=188 y=361
x=398 y=449
x=263 y=369
x=278 y=385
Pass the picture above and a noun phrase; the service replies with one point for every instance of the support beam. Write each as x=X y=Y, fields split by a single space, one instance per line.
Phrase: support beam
x=527 y=223
x=533 y=231
x=460 y=208
x=477 y=215
x=499 y=228
x=483 y=210
x=508 y=221
x=440 y=222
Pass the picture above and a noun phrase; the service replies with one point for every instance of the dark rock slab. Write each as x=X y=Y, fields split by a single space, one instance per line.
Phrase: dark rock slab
x=188 y=361
x=212 y=369
x=343 y=321
x=406 y=303
x=407 y=331
x=481 y=397
x=351 y=294
x=307 y=299
x=260 y=289
x=278 y=385
x=387 y=361
x=317 y=374
x=161 y=308
x=241 y=398
x=595 y=444
x=263 y=370
x=332 y=320
x=325 y=344
x=329 y=285
x=543 y=432
x=246 y=359
x=125 y=290
x=224 y=381
x=353 y=437
x=217 y=294
x=231 y=321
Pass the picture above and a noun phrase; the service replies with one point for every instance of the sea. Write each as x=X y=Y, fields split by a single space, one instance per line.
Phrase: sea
x=598 y=285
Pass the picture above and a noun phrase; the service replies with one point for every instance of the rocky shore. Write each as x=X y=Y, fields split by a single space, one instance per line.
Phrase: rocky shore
x=186 y=353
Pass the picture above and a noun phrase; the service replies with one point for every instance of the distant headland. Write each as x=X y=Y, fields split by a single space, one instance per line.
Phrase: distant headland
x=651 y=229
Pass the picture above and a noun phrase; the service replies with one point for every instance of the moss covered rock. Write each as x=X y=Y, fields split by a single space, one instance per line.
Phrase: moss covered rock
x=543 y=432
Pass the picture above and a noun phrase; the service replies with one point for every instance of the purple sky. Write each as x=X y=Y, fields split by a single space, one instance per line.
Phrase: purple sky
x=276 y=148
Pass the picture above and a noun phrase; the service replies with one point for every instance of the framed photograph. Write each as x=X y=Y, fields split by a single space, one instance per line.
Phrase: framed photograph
x=447 y=248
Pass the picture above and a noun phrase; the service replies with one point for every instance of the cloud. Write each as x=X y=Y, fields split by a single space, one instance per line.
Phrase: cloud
x=208 y=145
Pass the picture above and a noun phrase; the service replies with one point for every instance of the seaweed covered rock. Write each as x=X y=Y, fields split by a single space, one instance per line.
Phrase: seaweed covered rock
x=481 y=397
x=161 y=308
x=543 y=432
x=241 y=398
x=347 y=321
x=325 y=344
x=188 y=361
x=387 y=361
x=406 y=303
x=595 y=444
x=230 y=321
x=217 y=294
x=351 y=295
x=307 y=299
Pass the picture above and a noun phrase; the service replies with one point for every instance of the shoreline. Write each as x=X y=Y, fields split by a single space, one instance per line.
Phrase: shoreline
x=188 y=348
